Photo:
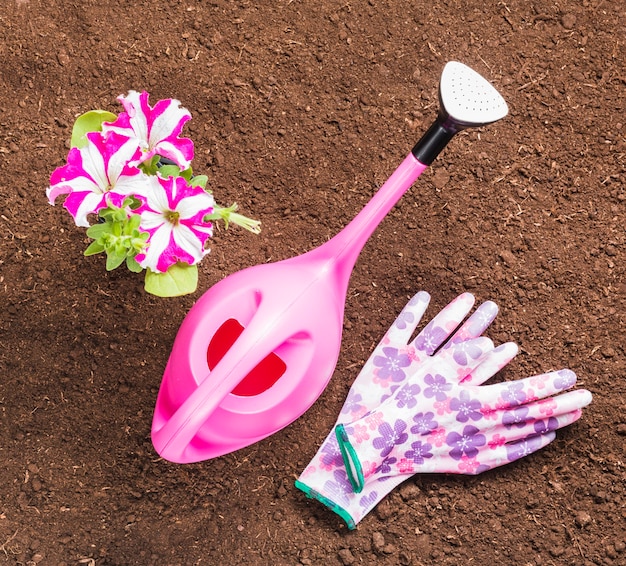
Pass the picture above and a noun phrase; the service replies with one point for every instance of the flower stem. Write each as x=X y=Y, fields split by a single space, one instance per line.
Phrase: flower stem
x=228 y=214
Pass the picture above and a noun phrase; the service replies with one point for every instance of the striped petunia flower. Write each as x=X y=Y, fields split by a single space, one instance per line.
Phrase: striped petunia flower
x=156 y=129
x=97 y=175
x=173 y=214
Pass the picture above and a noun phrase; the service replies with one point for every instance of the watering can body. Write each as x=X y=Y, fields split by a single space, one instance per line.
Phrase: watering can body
x=203 y=412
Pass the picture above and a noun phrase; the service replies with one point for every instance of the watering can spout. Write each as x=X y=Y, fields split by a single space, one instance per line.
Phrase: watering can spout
x=432 y=143
x=466 y=100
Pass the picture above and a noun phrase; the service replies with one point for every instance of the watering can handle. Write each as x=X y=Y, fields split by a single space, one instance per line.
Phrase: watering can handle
x=173 y=440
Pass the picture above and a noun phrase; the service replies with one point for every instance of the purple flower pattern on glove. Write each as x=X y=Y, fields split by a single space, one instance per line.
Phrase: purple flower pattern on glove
x=543 y=427
x=565 y=380
x=339 y=488
x=515 y=417
x=390 y=436
x=482 y=428
x=331 y=455
x=466 y=443
x=419 y=451
x=369 y=500
x=437 y=387
x=353 y=404
x=517 y=450
x=466 y=407
x=406 y=396
x=386 y=466
x=405 y=319
x=466 y=350
x=514 y=394
x=390 y=365
x=430 y=339
x=424 y=423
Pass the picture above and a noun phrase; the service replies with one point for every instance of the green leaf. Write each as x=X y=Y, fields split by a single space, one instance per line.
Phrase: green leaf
x=133 y=223
x=187 y=174
x=151 y=166
x=132 y=265
x=115 y=258
x=94 y=248
x=132 y=202
x=179 y=279
x=98 y=230
x=89 y=122
x=166 y=171
x=199 y=181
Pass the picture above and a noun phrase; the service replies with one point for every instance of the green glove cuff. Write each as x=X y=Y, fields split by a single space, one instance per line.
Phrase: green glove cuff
x=350 y=459
x=314 y=494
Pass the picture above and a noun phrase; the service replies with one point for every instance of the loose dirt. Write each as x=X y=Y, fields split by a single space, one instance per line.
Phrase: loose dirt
x=300 y=111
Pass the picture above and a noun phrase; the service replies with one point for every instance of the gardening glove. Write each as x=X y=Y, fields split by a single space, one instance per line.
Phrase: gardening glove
x=516 y=407
x=435 y=424
x=395 y=357
x=438 y=423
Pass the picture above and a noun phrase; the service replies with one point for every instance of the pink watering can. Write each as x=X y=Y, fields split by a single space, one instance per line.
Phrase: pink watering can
x=259 y=347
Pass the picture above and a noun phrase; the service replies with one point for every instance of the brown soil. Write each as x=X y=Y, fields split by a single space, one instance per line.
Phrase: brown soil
x=300 y=110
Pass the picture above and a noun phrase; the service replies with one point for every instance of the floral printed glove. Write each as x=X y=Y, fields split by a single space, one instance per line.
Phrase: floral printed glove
x=440 y=420
x=395 y=357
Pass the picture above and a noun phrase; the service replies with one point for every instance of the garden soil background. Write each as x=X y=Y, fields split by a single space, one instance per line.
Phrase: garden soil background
x=300 y=111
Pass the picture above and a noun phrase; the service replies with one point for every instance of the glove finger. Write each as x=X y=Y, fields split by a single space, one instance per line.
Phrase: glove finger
x=491 y=364
x=516 y=430
x=387 y=362
x=403 y=327
x=513 y=393
x=459 y=361
x=441 y=372
x=439 y=329
x=545 y=408
x=476 y=324
x=511 y=451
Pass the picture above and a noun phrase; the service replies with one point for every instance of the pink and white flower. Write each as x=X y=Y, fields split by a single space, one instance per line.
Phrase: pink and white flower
x=547 y=406
x=360 y=433
x=468 y=465
x=96 y=175
x=155 y=129
x=173 y=214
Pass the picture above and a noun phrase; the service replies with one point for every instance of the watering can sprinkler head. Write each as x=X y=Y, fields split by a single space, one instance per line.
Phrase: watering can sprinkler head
x=466 y=100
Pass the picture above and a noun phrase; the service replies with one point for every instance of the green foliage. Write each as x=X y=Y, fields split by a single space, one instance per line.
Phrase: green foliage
x=89 y=122
x=227 y=214
x=200 y=181
x=172 y=170
x=179 y=279
x=118 y=235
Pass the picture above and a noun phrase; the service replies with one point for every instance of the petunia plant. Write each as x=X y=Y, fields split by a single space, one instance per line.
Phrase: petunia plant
x=128 y=179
